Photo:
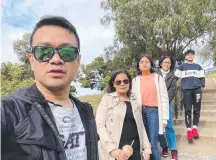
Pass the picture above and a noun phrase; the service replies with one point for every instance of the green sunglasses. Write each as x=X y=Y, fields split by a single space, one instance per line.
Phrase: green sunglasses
x=45 y=53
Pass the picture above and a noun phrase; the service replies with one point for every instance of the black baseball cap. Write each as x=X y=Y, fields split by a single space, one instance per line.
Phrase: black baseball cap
x=189 y=51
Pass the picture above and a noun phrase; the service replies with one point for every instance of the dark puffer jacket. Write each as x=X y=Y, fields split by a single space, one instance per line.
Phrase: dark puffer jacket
x=170 y=84
x=29 y=132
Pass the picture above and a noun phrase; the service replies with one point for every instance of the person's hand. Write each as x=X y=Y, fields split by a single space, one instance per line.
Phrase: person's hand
x=164 y=125
x=119 y=154
x=146 y=156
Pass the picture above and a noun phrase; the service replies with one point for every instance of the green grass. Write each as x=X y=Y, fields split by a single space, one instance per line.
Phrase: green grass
x=211 y=75
x=94 y=100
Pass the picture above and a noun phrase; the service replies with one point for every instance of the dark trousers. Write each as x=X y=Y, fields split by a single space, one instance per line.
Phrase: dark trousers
x=136 y=147
x=136 y=155
x=191 y=98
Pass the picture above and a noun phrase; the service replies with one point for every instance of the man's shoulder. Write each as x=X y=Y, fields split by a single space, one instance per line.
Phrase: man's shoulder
x=7 y=101
x=186 y=66
x=13 y=106
x=10 y=99
x=197 y=65
x=182 y=65
x=18 y=95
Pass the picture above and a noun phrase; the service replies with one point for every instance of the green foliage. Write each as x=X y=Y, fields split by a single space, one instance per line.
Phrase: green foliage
x=85 y=82
x=98 y=72
x=158 y=28
x=154 y=28
x=106 y=79
x=13 y=76
x=72 y=89
x=21 y=48
x=94 y=74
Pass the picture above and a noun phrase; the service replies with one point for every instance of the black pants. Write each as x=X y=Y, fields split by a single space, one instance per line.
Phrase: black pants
x=136 y=147
x=136 y=155
x=191 y=98
x=162 y=140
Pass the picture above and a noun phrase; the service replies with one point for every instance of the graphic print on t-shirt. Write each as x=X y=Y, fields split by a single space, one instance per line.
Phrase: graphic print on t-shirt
x=71 y=130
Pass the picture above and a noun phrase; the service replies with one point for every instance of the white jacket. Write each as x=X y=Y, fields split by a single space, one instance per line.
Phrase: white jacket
x=163 y=100
x=110 y=118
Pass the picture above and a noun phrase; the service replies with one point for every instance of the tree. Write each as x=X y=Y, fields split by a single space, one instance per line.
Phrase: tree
x=97 y=74
x=21 y=48
x=93 y=74
x=151 y=27
x=72 y=89
x=13 y=76
x=157 y=28
x=212 y=48
x=206 y=57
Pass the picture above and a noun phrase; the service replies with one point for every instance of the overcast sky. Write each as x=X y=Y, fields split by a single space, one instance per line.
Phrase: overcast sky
x=19 y=17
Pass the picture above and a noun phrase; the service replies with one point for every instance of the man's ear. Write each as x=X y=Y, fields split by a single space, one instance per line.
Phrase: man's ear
x=79 y=59
x=31 y=60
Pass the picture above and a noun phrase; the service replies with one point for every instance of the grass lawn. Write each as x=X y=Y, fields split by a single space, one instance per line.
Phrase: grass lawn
x=211 y=75
x=94 y=100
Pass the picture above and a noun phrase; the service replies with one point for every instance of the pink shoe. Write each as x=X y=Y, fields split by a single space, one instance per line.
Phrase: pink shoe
x=195 y=133
x=190 y=136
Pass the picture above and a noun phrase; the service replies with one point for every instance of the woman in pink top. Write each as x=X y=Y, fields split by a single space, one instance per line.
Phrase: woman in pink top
x=150 y=91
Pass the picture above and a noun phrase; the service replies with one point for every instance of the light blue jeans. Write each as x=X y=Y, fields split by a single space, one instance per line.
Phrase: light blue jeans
x=151 y=122
x=170 y=133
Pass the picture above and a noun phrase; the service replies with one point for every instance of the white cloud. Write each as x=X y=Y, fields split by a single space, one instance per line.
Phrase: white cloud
x=3 y=2
x=19 y=17
x=8 y=35
x=84 y=14
x=93 y=41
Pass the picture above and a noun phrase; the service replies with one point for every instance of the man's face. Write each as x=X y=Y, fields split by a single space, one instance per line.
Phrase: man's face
x=189 y=57
x=55 y=73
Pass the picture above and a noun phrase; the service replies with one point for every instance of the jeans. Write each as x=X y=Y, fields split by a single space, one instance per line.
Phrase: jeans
x=169 y=132
x=151 y=122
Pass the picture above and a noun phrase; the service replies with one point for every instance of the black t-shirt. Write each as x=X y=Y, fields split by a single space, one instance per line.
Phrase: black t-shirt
x=129 y=130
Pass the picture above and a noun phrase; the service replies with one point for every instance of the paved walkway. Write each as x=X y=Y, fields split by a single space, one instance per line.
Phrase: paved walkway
x=186 y=156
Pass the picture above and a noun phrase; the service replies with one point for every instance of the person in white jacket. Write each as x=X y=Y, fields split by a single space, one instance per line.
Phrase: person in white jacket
x=150 y=90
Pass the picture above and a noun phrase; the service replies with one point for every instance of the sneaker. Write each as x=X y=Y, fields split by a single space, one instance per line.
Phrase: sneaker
x=190 y=136
x=174 y=157
x=174 y=154
x=195 y=133
x=165 y=152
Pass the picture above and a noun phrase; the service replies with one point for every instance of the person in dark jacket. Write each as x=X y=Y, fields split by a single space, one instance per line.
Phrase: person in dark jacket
x=44 y=121
x=166 y=64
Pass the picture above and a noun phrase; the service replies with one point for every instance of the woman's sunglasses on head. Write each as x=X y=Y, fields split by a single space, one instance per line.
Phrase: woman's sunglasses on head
x=45 y=53
x=125 y=81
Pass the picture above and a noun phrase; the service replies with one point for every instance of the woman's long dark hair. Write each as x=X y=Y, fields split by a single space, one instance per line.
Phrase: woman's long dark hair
x=171 y=59
x=139 y=72
x=111 y=87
